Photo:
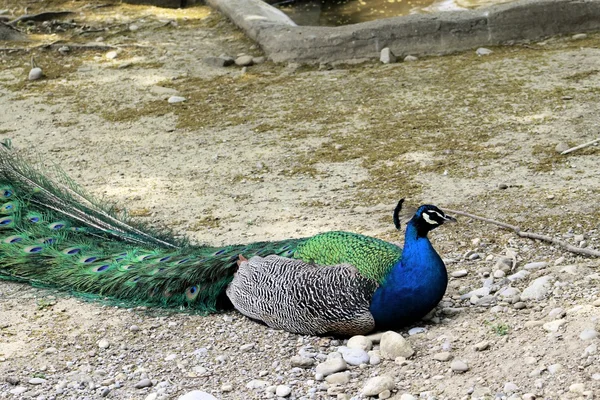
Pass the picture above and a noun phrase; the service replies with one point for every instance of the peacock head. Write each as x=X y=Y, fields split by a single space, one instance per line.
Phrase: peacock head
x=429 y=217
x=425 y=219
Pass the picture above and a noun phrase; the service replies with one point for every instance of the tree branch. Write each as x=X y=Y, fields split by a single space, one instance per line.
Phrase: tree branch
x=531 y=235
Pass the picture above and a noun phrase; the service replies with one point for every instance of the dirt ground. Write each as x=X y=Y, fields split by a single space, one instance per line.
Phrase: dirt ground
x=279 y=151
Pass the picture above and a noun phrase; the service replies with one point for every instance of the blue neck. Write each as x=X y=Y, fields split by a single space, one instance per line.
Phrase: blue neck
x=414 y=286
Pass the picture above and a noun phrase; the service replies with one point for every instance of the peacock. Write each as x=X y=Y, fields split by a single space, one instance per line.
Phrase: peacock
x=53 y=234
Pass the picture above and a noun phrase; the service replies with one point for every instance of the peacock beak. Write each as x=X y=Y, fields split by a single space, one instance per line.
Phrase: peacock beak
x=448 y=218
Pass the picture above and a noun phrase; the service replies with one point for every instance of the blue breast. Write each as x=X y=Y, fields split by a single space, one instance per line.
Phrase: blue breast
x=414 y=286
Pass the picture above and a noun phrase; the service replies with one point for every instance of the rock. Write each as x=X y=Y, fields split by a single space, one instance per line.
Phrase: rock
x=197 y=395
x=578 y=388
x=111 y=55
x=354 y=356
x=18 y=390
x=518 y=275
x=554 y=326
x=247 y=347
x=378 y=384
x=502 y=186
x=555 y=368
x=387 y=56
x=394 y=345
x=459 y=366
x=579 y=36
x=557 y=312
x=217 y=62
x=103 y=344
x=331 y=366
x=596 y=303
x=144 y=383
x=510 y=387
x=481 y=346
x=536 y=265
x=227 y=387
x=482 y=51
x=244 y=61
x=410 y=58
x=407 y=396
x=37 y=381
x=588 y=334
x=283 y=391
x=416 y=331
x=519 y=305
x=443 y=356
x=257 y=384
x=258 y=60
x=339 y=378
x=302 y=362
x=499 y=274
x=459 y=274
x=35 y=74
x=386 y=394
x=538 y=289
x=360 y=342
x=12 y=380
x=134 y=27
x=176 y=99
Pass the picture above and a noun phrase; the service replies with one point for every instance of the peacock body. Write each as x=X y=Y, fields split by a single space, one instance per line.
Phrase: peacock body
x=53 y=234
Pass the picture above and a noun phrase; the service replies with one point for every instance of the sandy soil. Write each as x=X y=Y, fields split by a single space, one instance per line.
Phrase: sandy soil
x=280 y=151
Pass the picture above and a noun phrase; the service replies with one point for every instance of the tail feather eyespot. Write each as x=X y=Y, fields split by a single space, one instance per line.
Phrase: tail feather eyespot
x=192 y=292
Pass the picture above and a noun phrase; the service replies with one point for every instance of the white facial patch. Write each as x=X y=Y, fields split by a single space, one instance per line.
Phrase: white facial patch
x=429 y=220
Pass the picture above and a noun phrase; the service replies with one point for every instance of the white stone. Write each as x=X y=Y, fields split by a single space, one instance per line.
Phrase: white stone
x=103 y=344
x=257 y=384
x=407 y=396
x=554 y=326
x=176 y=99
x=37 y=381
x=354 y=356
x=394 y=345
x=443 y=356
x=579 y=36
x=577 y=388
x=197 y=395
x=283 y=391
x=459 y=366
x=518 y=275
x=378 y=384
x=588 y=334
x=35 y=74
x=538 y=289
x=482 y=51
x=555 y=368
x=18 y=390
x=331 y=366
x=536 y=265
x=416 y=331
x=339 y=378
x=459 y=274
x=111 y=55
x=481 y=346
x=302 y=362
x=244 y=61
x=387 y=56
x=360 y=342
x=410 y=58
x=510 y=387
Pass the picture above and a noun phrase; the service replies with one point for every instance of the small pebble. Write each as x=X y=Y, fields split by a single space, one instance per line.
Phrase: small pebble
x=378 y=384
x=588 y=334
x=459 y=274
x=103 y=344
x=35 y=74
x=387 y=56
x=410 y=58
x=111 y=55
x=176 y=99
x=579 y=36
x=283 y=391
x=144 y=383
x=443 y=356
x=554 y=326
x=481 y=346
x=482 y=51
x=37 y=381
x=459 y=366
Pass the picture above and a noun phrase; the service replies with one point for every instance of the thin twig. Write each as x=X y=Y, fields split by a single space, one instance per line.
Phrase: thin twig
x=531 y=235
x=581 y=146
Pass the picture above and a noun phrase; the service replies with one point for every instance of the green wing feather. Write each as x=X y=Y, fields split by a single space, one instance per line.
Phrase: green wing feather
x=53 y=234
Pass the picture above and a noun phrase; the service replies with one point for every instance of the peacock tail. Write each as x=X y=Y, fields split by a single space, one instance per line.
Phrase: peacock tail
x=54 y=234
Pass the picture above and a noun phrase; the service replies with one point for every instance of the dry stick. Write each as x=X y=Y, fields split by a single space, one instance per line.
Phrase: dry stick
x=531 y=235
x=581 y=146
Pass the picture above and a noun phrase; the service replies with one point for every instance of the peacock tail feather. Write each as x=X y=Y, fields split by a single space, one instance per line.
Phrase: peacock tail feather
x=54 y=234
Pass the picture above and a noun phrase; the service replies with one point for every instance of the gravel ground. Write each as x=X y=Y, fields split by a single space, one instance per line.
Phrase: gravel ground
x=276 y=151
